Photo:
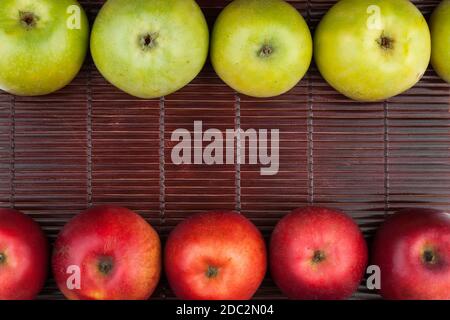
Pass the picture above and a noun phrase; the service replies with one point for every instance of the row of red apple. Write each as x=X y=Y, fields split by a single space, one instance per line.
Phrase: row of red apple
x=111 y=252
x=369 y=50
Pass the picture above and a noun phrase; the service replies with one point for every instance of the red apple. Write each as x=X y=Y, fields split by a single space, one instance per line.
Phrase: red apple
x=317 y=253
x=215 y=256
x=23 y=256
x=412 y=249
x=116 y=252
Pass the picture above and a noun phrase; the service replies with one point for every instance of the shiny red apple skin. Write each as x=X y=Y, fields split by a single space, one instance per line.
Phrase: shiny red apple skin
x=25 y=254
x=225 y=242
x=317 y=254
x=399 y=250
x=113 y=235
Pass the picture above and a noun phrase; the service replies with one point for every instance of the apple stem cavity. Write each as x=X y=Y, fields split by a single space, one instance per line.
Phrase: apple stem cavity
x=318 y=256
x=212 y=272
x=430 y=257
x=2 y=258
x=385 y=42
x=105 y=265
x=28 y=19
x=148 y=41
x=265 y=51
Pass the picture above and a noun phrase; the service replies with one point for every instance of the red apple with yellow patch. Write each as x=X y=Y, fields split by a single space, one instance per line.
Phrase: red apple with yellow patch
x=115 y=251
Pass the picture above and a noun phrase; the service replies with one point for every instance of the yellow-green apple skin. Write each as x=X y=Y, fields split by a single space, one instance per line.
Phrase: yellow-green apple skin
x=440 y=40
x=261 y=48
x=150 y=48
x=43 y=44
x=371 y=50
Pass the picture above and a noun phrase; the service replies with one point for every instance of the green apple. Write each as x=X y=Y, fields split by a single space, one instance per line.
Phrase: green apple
x=261 y=48
x=371 y=50
x=149 y=48
x=440 y=40
x=43 y=44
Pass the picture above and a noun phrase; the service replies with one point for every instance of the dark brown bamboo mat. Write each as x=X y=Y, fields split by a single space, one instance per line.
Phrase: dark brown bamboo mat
x=91 y=144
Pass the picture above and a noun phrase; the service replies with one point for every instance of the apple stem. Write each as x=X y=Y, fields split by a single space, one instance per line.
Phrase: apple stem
x=429 y=257
x=265 y=51
x=2 y=258
x=28 y=19
x=105 y=265
x=148 y=41
x=385 y=42
x=212 y=272
x=319 y=256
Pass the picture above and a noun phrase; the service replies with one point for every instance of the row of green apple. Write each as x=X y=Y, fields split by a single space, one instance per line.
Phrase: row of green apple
x=110 y=252
x=368 y=50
